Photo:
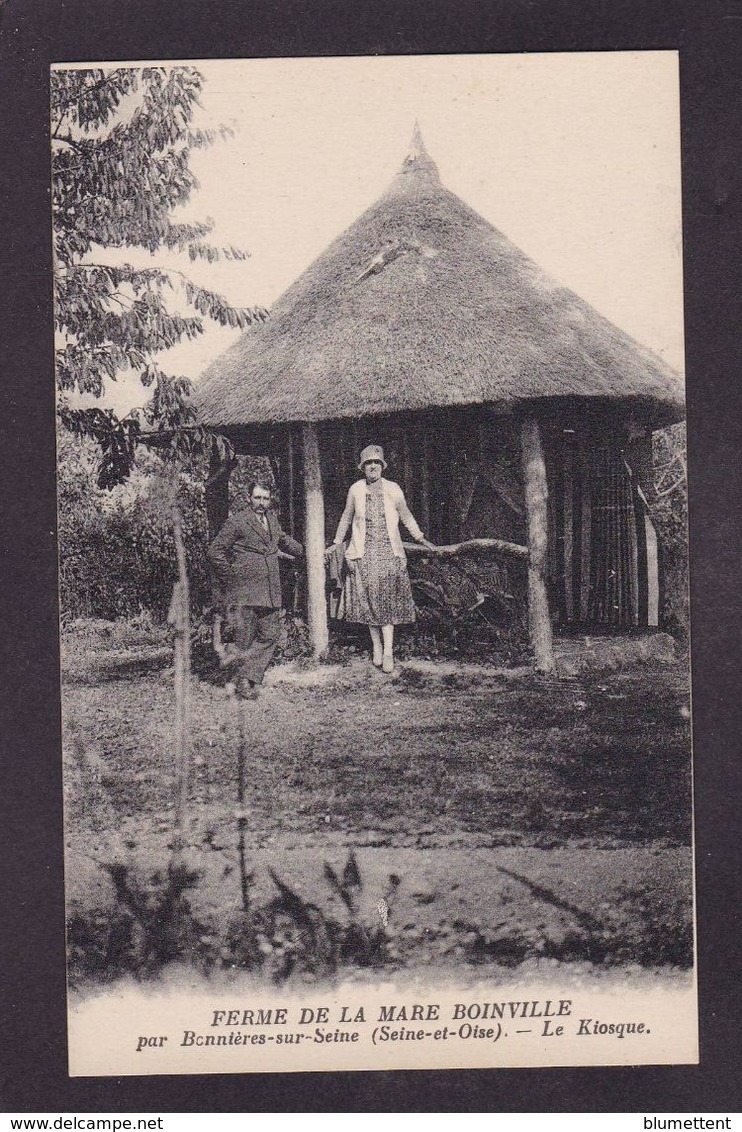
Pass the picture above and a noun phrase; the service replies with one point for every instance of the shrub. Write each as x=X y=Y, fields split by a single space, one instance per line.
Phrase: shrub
x=152 y=924
x=116 y=548
x=670 y=514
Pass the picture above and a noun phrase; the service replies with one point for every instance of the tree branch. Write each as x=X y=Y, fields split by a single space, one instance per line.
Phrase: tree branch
x=671 y=489
x=500 y=546
x=67 y=140
x=58 y=127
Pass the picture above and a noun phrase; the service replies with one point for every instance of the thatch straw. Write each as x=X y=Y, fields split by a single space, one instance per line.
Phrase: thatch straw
x=423 y=303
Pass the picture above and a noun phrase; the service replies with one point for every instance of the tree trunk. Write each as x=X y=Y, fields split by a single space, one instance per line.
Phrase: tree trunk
x=536 y=493
x=180 y=619
x=241 y=806
x=314 y=542
x=216 y=495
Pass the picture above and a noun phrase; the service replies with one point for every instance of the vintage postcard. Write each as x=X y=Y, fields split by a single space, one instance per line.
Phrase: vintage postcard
x=373 y=567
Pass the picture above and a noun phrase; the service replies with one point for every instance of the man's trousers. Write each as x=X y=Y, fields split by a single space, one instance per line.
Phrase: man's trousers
x=256 y=634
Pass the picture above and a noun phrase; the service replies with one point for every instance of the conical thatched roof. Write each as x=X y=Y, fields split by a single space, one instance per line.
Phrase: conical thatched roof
x=423 y=303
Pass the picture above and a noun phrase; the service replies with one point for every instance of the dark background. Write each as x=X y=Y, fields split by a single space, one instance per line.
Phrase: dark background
x=33 y=33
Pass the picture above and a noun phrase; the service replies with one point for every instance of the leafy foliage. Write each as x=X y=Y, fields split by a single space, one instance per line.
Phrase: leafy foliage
x=152 y=924
x=121 y=143
x=363 y=944
x=116 y=547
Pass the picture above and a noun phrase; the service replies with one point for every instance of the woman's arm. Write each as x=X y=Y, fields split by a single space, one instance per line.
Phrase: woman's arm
x=346 y=518
x=408 y=518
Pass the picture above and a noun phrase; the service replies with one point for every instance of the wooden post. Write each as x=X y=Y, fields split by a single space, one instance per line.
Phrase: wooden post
x=586 y=529
x=653 y=573
x=536 y=495
x=408 y=478
x=568 y=513
x=291 y=518
x=424 y=483
x=314 y=541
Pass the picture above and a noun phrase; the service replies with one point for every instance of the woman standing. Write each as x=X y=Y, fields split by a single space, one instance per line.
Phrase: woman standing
x=377 y=588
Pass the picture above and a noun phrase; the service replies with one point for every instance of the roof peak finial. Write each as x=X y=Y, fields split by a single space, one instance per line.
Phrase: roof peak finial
x=417 y=145
x=418 y=160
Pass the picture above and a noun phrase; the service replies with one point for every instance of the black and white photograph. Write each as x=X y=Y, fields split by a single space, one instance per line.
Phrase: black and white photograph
x=373 y=563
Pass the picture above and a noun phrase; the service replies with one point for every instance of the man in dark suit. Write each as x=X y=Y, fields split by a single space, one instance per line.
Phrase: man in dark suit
x=244 y=556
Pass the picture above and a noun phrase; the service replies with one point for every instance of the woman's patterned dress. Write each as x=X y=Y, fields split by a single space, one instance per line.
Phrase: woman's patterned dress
x=377 y=587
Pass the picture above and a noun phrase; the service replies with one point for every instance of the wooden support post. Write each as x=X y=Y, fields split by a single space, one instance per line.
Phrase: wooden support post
x=408 y=478
x=536 y=496
x=424 y=482
x=290 y=477
x=568 y=514
x=586 y=532
x=653 y=573
x=314 y=541
x=453 y=447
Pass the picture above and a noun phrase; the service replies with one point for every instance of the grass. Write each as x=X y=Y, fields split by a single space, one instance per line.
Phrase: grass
x=588 y=785
x=520 y=762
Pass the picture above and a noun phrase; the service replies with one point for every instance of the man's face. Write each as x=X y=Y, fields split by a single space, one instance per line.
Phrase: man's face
x=260 y=500
x=372 y=470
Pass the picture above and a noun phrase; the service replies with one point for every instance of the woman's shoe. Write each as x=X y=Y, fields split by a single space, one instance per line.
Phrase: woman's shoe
x=387 y=664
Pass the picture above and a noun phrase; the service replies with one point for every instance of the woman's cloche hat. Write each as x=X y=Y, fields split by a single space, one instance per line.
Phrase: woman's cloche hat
x=372 y=452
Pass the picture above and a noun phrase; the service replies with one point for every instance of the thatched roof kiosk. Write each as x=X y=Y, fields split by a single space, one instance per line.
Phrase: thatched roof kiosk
x=508 y=406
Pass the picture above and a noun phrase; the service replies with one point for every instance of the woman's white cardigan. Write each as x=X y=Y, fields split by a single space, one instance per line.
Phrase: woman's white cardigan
x=395 y=508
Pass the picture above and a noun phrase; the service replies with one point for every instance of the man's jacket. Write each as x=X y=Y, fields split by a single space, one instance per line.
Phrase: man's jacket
x=244 y=556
